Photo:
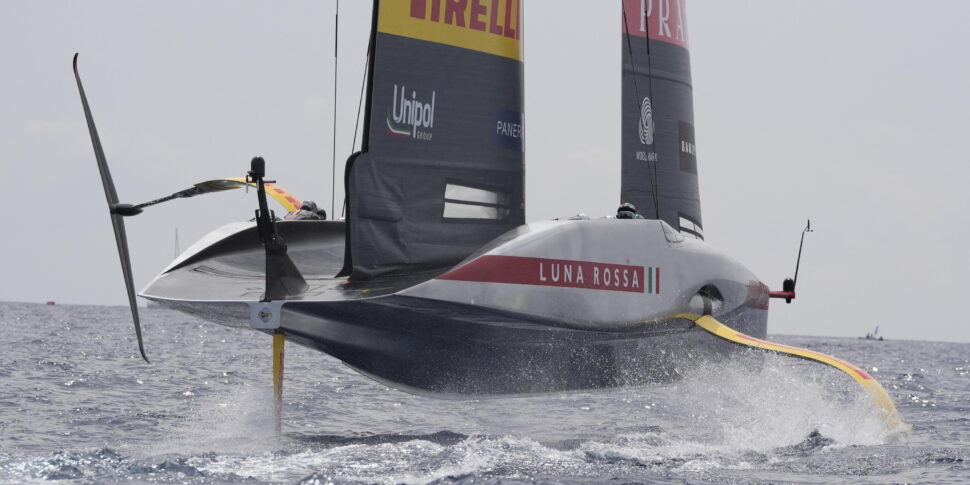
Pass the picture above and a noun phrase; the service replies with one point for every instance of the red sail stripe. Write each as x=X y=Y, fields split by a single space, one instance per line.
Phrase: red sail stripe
x=665 y=20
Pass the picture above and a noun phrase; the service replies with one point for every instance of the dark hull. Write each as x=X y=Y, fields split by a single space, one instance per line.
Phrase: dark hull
x=426 y=346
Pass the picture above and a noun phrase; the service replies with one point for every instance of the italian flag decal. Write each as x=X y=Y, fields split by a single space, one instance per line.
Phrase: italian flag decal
x=653 y=280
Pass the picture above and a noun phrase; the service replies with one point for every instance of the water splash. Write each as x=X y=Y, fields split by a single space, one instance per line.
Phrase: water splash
x=788 y=421
x=241 y=421
x=778 y=405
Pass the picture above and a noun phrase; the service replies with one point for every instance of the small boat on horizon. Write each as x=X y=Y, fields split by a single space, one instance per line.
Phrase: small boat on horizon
x=874 y=335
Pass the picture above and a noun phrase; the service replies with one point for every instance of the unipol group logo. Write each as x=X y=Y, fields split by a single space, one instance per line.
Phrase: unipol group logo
x=411 y=117
x=646 y=127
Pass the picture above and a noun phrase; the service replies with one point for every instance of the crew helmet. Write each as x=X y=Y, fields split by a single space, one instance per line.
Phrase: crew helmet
x=626 y=211
x=308 y=205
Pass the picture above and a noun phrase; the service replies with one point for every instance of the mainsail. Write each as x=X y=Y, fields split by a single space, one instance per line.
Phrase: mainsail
x=659 y=173
x=441 y=170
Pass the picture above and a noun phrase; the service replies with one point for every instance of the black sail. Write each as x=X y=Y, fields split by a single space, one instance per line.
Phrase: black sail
x=441 y=172
x=659 y=173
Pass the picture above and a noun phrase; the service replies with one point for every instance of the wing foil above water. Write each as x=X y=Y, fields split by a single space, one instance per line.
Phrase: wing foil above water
x=880 y=399
x=441 y=170
x=117 y=220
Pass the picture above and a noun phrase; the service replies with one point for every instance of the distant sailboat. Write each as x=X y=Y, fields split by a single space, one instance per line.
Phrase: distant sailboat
x=874 y=335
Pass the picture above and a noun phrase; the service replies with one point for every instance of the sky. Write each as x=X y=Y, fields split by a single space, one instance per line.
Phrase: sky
x=852 y=114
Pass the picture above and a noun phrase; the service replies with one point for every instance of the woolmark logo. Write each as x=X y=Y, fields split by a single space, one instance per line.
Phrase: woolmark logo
x=410 y=116
x=646 y=126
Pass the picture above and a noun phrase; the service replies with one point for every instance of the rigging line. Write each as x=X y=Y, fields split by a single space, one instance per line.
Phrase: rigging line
x=360 y=101
x=636 y=90
x=655 y=178
x=336 y=65
x=360 y=104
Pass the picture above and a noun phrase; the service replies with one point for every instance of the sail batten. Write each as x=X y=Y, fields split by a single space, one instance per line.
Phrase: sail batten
x=445 y=111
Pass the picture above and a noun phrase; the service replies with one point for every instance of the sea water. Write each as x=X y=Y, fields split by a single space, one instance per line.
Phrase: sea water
x=77 y=405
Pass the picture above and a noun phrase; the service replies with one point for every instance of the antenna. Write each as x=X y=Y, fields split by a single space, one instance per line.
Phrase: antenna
x=798 y=262
x=788 y=286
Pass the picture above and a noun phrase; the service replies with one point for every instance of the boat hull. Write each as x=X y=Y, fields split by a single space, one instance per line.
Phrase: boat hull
x=516 y=317
x=425 y=346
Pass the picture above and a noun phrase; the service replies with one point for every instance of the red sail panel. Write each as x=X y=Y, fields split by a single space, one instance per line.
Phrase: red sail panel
x=663 y=20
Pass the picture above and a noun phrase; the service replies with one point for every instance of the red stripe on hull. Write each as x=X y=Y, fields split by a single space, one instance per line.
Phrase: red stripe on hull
x=550 y=272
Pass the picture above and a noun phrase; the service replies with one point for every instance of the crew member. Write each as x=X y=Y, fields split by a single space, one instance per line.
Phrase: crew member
x=308 y=212
x=627 y=211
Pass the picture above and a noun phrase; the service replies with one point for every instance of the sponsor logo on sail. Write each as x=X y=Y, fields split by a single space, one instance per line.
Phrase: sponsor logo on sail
x=496 y=17
x=411 y=116
x=509 y=132
x=663 y=20
x=646 y=127
x=490 y=26
x=688 y=149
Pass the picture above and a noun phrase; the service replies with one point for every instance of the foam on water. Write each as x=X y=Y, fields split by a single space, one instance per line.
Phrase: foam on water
x=779 y=405
x=242 y=421
x=204 y=413
x=718 y=417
